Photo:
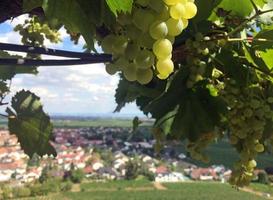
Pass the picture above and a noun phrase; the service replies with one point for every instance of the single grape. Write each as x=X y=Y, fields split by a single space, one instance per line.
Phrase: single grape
x=177 y=11
x=144 y=76
x=145 y=40
x=111 y=68
x=145 y=59
x=162 y=48
x=107 y=43
x=164 y=14
x=158 y=30
x=162 y=76
x=130 y=72
x=120 y=44
x=131 y=51
x=143 y=19
x=190 y=10
x=259 y=148
x=175 y=27
x=165 y=67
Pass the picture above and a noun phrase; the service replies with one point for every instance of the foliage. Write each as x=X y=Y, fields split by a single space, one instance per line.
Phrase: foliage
x=132 y=170
x=77 y=175
x=21 y=192
x=219 y=81
x=263 y=178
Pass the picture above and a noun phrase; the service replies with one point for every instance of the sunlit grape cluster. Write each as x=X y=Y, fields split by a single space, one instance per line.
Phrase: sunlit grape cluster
x=141 y=42
x=199 y=48
x=196 y=149
x=34 y=32
x=247 y=117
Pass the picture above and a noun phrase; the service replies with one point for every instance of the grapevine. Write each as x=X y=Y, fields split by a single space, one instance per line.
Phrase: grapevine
x=142 y=48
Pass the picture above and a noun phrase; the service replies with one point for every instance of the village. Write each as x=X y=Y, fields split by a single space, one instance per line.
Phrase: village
x=102 y=154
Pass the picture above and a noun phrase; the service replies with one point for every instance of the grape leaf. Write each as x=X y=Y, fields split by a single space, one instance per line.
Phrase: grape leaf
x=243 y=8
x=203 y=14
x=29 y=5
x=120 y=6
x=30 y=124
x=263 y=40
x=79 y=16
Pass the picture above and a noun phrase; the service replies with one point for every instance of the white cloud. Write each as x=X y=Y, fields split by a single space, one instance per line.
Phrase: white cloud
x=72 y=89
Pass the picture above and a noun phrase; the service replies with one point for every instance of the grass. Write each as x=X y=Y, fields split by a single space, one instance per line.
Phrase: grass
x=175 y=191
x=262 y=188
x=116 y=185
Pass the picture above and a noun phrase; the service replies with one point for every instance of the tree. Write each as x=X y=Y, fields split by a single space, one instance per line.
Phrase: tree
x=202 y=72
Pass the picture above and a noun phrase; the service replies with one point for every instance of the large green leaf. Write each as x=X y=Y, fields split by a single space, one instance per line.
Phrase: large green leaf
x=7 y=72
x=120 y=6
x=30 y=124
x=79 y=16
x=205 y=8
x=241 y=8
x=263 y=40
x=29 y=5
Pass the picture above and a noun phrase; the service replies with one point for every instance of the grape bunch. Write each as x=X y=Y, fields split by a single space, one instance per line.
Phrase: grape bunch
x=141 y=42
x=34 y=32
x=198 y=50
x=196 y=149
x=248 y=114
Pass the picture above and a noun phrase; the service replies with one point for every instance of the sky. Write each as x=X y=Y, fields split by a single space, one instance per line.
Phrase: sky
x=69 y=90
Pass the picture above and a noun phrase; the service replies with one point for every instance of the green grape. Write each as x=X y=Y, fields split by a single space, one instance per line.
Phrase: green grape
x=190 y=10
x=175 y=27
x=205 y=52
x=162 y=48
x=252 y=164
x=143 y=19
x=162 y=76
x=156 y=5
x=121 y=62
x=107 y=43
x=145 y=40
x=111 y=68
x=131 y=51
x=120 y=44
x=158 y=30
x=164 y=14
x=165 y=67
x=133 y=32
x=145 y=59
x=171 y=2
x=130 y=72
x=144 y=76
x=124 y=19
x=177 y=11
x=259 y=148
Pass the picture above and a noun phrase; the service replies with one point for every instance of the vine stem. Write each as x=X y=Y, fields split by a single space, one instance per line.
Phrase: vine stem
x=257 y=14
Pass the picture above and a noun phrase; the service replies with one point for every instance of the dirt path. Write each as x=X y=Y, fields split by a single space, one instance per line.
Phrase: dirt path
x=76 y=188
x=159 y=186
x=261 y=194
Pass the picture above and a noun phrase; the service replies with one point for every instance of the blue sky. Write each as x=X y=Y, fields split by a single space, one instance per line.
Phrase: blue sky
x=85 y=89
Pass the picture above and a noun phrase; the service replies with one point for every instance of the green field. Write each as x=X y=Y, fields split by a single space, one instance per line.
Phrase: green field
x=145 y=191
